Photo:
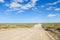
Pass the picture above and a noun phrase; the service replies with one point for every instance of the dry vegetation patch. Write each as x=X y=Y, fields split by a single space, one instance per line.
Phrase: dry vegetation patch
x=21 y=25
x=53 y=29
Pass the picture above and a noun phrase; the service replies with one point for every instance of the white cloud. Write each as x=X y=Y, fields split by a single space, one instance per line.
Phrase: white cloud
x=52 y=15
x=54 y=3
x=27 y=6
x=53 y=8
x=15 y=5
x=57 y=9
x=19 y=1
x=35 y=8
x=8 y=10
x=1 y=0
x=20 y=11
x=50 y=6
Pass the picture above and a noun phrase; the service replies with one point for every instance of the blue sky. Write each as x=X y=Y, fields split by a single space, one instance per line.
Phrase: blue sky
x=29 y=11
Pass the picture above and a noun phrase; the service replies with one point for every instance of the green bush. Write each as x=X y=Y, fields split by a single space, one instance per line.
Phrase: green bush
x=51 y=26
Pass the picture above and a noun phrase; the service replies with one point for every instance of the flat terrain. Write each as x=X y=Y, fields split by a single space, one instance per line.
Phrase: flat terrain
x=35 y=33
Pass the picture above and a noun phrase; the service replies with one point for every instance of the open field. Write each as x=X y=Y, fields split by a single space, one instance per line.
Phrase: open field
x=53 y=29
x=17 y=25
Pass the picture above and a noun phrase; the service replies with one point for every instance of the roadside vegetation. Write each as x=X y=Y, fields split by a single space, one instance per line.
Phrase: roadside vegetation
x=48 y=26
x=9 y=26
x=53 y=29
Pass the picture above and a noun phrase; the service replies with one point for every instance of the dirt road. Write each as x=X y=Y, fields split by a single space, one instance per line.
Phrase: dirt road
x=35 y=33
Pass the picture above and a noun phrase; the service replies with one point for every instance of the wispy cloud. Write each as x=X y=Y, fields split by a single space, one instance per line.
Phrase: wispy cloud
x=50 y=6
x=35 y=8
x=57 y=9
x=1 y=0
x=14 y=5
x=20 y=11
x=54 y=3
x=52 y=15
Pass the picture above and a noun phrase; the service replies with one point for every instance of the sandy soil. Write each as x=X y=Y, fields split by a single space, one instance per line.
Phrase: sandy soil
x=35 y=33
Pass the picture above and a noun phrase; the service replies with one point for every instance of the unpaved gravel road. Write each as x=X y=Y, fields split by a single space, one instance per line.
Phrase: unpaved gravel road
x=35 y=33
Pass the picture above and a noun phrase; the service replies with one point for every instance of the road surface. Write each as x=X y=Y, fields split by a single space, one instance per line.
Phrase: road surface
x=35 y=33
